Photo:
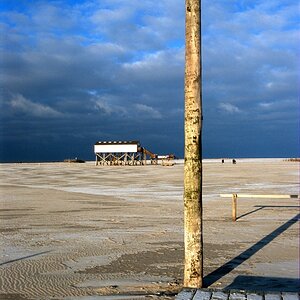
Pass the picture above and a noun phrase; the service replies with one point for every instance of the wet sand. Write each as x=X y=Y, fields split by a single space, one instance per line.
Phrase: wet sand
x=77 y=231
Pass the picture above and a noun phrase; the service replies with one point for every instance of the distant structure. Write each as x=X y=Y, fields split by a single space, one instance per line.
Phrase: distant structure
x=74 y=160
x=167 y=160
x=123 y=153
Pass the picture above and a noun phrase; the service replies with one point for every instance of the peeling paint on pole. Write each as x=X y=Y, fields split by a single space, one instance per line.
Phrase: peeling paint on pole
x=193 y=271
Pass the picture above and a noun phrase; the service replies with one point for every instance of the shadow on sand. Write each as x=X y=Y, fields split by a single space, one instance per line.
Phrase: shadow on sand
x=259 y=207
x=260 y=284
x=24 y=257
x=238 y=260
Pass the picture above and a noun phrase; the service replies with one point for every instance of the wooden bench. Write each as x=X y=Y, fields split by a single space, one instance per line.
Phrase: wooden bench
x=236 y=196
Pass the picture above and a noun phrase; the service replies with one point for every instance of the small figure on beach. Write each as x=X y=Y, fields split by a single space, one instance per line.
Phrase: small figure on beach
x=234 y=161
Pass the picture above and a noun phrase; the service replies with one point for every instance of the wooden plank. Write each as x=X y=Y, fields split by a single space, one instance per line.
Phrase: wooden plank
x=186 y=294
x=202 y=295
x=290 y=296
x=272 y=296
x=219 y=296
x=260 y=196
x=254 y=297
x=193 y=294
x=237 y=296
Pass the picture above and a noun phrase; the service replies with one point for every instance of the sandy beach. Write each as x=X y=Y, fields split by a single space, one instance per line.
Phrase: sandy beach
x=80 y=231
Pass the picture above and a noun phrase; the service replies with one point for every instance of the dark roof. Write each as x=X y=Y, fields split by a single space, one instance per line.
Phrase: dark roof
x=117 y=142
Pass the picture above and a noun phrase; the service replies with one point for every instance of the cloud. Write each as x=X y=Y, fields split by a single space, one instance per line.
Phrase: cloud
x=266 y=105
x=21 y=105
x=146 y=111
x=278 y=112
x=106 y=105
x=115 y=69
x=229 y=108
x=139 y=25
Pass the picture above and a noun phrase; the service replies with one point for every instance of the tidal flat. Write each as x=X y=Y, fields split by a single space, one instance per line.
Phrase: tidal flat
x=80 y=231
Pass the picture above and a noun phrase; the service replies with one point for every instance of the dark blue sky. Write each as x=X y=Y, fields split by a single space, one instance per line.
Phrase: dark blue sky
x=76 y=72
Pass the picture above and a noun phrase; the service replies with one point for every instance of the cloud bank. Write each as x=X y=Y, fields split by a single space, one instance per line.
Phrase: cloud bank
x=75 y=72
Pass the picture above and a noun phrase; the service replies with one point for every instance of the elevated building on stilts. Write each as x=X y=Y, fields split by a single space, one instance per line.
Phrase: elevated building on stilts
x=123 y=153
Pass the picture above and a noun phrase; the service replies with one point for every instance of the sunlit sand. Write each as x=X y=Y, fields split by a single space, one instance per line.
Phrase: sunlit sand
x=71 y=230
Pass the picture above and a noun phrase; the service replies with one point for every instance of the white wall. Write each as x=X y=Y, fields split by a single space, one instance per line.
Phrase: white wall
x=108 y=148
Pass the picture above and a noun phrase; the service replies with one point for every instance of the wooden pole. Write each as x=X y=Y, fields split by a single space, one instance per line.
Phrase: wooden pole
x=193 y=240
x=234 y=206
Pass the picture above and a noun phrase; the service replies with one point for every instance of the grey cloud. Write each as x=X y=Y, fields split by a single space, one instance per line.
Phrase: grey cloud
x=21 y=105
x=115 y=70
x=140 y=25
x=246 y=67
x=230 y=108
x=146 y=111
x=106 y=105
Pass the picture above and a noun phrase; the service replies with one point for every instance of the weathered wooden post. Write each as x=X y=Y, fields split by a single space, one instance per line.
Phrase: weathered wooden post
x=234 y=206
x=144 y=158
x=193 y=268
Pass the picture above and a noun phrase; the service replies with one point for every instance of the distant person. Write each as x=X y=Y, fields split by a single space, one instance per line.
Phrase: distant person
x=234 y=161
x=222 y=161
